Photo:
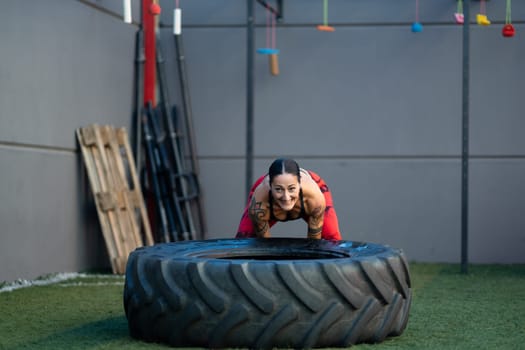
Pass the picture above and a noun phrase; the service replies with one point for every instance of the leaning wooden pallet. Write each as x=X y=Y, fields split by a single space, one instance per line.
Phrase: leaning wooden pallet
x=118 y=197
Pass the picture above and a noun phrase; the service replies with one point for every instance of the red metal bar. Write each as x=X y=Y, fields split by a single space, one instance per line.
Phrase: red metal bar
x=148 y=22
x=149 y=85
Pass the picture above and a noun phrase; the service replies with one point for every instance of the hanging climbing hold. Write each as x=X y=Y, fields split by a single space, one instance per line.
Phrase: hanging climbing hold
x=270 y=50
x=460 y=18
x=267 y=51
x=154 y=9
x=274 y=64
x=417 y=27
x=482 y=19
x=508 y=31
x=325 y=27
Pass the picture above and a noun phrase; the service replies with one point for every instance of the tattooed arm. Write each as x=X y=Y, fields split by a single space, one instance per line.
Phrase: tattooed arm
x=315 y=222
x=260 y=216
x=315 y=209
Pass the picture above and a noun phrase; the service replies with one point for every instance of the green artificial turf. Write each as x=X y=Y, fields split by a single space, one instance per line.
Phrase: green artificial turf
x=482 y=310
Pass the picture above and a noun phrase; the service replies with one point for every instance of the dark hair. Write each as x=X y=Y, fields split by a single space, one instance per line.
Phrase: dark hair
x=284 y=166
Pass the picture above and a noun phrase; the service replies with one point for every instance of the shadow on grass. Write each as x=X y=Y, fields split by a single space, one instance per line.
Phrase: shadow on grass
x=112 y=330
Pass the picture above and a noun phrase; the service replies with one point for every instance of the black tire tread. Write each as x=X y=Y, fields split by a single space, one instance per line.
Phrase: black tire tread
x=237 y=303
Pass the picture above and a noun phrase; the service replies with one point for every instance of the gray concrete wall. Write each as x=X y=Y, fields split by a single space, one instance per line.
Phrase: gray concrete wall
x=64 y=64
x=372 y=107
x=376 y=110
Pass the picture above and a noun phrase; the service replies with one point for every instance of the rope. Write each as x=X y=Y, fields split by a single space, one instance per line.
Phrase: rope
x=325 y=12
x=508 y=13
x=267 y=28
x=270 y=29
x=274 y=37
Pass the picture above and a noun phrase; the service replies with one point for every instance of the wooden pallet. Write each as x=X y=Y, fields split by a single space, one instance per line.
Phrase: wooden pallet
x=118 y=197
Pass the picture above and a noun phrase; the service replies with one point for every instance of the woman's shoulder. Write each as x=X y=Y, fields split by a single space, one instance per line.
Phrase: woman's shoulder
x=304 y=173
x=306 y=179
x=262 y=190
x=311 y=190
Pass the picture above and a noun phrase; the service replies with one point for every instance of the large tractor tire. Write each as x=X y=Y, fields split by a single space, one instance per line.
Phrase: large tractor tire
x=266 y=293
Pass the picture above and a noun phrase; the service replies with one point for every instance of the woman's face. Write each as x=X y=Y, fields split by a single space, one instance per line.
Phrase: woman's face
x=285 y=190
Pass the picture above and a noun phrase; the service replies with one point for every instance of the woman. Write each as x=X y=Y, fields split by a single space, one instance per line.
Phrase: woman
x=289 y=192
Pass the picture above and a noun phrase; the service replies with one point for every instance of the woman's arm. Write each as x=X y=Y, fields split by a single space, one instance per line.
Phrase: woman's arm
x=315 y=222
x=260 y=216
x=315 y=207
x=320 y=191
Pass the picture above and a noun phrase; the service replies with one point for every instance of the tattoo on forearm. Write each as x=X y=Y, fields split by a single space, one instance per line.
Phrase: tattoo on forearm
x=315 y=223
x=261 y=229
x=317 y=212
x=256 y=210
x=258 y=216
x=314 y=235
x=316 y=218
x=314 y=231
